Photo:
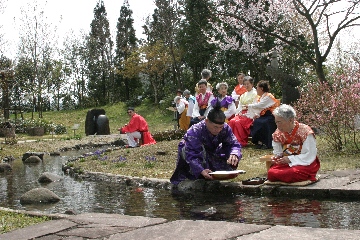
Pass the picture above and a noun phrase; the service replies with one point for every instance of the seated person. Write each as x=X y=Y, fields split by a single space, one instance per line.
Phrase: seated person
x=239 y=88
x=191 y=100
x=201 y=103
x=205 y=75
x=207 y=146
x=182 y=107
x=243 y=119
x=264 y=123
x=226 y=102
x=295 y=153
x=136 y=129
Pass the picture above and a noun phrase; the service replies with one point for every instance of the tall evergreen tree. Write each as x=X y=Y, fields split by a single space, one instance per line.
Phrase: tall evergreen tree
x=100 y=57
x=164 y=29
x=198 y=52
x=126 y=43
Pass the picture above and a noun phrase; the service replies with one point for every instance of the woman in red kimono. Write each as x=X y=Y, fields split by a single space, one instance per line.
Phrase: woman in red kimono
x=295 y=153
x=243 y=119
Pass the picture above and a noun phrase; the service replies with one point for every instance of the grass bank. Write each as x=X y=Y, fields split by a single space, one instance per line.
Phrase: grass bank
x=13 y=220
x=154 y=161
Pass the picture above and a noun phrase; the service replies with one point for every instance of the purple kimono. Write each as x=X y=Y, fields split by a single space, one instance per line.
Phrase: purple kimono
x=224 y=103
x=200 y=150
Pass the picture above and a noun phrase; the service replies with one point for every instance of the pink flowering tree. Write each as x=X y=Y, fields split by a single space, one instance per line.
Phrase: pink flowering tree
x=309 y=26
x=333 y=108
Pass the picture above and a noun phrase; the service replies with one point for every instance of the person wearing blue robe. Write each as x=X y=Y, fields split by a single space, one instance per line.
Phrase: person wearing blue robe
x=207 y=146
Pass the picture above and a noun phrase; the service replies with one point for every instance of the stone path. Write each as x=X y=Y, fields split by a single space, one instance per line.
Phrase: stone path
x=114 y=226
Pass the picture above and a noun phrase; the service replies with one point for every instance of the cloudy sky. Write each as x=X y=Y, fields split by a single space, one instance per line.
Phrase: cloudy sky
x=75 y=14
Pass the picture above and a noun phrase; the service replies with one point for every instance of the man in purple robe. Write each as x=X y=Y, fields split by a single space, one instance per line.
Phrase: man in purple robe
x=207 y=146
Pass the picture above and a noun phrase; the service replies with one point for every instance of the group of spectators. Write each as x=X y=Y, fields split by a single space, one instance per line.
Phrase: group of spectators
x=215 y=143
x=219 y=125
x=247 y=110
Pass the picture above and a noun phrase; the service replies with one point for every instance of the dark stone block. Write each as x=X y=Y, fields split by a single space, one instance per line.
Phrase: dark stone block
x=102 y=125
x=90 y=121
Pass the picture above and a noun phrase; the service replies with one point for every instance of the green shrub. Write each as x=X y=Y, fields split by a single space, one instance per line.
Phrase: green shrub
x=169 y=135
x=22 y=125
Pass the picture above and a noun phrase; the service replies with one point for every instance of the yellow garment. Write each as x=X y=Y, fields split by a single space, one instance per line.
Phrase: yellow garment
x=224 y=109
x=184 y=121
x=248 y=97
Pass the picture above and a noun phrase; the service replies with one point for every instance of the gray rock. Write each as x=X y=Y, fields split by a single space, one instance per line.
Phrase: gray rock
x=56 y=153
x=39 y=195
x=189 y=185
x=5 y=167
x=32 y=159
x=47 y=177
x=8 y=159
x=29 y=154
x=212 y=186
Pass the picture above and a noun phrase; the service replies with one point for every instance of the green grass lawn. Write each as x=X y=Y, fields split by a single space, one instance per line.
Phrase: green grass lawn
x=158 y=118
x=12 y=220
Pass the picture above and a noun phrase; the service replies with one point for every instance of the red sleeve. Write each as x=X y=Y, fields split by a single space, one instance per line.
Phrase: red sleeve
x=137 y=123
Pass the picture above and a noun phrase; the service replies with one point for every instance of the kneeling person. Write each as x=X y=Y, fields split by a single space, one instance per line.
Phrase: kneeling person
x=137 y=129
x=295 y=149
x=207 y=146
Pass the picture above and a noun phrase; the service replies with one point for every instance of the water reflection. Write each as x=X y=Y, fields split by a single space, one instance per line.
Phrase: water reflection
x=87 y=196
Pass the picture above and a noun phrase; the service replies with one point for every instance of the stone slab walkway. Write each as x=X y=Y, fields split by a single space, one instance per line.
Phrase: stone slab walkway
x=115 y=226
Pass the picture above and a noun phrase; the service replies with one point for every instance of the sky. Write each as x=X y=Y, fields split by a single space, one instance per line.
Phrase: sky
x=78 y=14
x=75 y=14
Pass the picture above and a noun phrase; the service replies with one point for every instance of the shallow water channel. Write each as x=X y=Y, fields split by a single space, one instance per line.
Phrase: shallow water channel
x=104 y=197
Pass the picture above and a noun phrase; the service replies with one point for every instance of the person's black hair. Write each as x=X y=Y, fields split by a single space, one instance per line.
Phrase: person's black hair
x=264 y=85
x=202 y=81
x=131 y=109
x=216 y=115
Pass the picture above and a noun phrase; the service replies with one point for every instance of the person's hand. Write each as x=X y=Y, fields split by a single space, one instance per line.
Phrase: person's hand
x=233 y=160
x=281 y=160
x=201 y=117
x=206 y=174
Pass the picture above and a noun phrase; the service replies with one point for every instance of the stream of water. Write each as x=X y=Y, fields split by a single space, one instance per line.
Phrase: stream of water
x=105 y=197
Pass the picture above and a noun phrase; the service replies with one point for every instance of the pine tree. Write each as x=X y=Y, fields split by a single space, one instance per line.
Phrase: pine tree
x=100 y=57
x=126 y=43
x=192 y=38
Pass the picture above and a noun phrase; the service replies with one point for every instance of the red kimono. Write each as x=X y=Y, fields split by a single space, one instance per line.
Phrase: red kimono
x=138 y=123
x=292 y=145
x=240 y=126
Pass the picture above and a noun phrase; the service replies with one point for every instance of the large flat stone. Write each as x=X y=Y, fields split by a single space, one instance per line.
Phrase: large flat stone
x=95 y=231
x=186 y=229
x=38 y=230
x=329 y=183
x=301 y=233
x=115 y=220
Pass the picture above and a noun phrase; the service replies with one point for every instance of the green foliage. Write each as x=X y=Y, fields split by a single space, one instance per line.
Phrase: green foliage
x=22 y=125
x=99 y=59
x=11 y=221
x=169 y=135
